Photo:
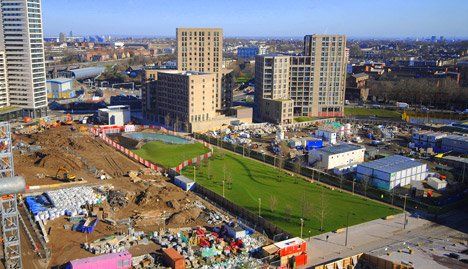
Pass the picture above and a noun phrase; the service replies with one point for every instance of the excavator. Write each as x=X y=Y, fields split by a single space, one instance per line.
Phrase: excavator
x=66 y=176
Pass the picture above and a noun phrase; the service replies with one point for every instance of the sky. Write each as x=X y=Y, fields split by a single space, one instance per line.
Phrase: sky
x=259 y=18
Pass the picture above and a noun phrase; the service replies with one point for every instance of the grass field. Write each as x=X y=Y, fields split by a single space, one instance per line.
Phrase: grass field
x=170 y=155
x=284 y=199
x=303 y=118
x=381 y=113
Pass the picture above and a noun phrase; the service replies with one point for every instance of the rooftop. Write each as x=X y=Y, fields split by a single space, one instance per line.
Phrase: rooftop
x=290 y=242
x=114 y=108
x=340 y=148
x=184 y=179
x=361 y=75
x=60 y=80
x=457 y=137
x=392 y=164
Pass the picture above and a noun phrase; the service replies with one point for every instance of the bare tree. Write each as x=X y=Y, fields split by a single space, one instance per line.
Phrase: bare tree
x=176 y=124
x=279 y=164
x=224 y=171
x=273 y=203
x=209 y=170
x=248 y=150
x=167 y=120
x=229 y=180
x=297 y=169
x=321 y=209
x=365 y=181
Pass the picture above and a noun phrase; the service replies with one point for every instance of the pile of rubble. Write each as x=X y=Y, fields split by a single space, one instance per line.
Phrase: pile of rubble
x=117 y=199
x=117 y=243
x=211 y=249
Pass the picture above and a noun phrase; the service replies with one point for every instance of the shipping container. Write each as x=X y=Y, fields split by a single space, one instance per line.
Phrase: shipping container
x=392 y=171
x=173 y=259
x=121 y=260
x=183 y=182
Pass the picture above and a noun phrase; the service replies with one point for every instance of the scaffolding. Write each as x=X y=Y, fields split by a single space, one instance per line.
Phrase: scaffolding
x=8 y=204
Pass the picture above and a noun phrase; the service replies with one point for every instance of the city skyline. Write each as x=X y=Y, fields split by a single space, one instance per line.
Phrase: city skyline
x=400 y=19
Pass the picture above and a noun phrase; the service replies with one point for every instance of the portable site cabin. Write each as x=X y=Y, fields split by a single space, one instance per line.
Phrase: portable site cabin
x=120 y=260
x=184 y=182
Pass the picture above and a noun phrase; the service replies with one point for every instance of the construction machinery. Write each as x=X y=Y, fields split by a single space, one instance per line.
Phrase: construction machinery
x=10 y=186
x=65 y=176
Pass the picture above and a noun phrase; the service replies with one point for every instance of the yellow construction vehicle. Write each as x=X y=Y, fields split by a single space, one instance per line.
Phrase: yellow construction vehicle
x=66 y=176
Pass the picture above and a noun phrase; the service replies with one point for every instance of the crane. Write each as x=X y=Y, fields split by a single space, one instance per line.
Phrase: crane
x=10 y=186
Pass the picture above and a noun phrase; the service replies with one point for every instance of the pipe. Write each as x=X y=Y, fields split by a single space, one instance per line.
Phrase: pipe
x=12 y=185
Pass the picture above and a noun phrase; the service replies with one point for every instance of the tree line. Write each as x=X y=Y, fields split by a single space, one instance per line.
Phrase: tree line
x=439 y=93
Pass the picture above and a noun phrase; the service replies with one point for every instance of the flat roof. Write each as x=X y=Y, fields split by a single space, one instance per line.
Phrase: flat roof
x=184 y=73
x=340 y=148
x=184 y=179
x=456 y=159
x=114 y=108
x=289 y=242
x=392 y=164
x=60 y=80
x=457 y=137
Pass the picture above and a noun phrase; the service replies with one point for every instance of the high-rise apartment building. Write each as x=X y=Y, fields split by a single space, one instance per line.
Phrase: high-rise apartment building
x=316 y=79
x=272 y=99
x=201 y=50
x=24 y=54
x=328 y=80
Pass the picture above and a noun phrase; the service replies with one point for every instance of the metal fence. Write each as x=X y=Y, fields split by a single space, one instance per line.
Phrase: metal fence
x=255 y=221
x=346 y=184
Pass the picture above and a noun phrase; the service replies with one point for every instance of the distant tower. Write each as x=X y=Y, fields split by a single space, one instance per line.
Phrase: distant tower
x=71 y=34
x=62 y=38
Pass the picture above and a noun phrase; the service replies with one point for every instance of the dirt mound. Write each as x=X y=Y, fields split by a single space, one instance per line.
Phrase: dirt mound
x=57 y=159
x=184 y=217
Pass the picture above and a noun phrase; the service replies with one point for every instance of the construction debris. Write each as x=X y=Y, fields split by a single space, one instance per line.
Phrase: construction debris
x=117 y=199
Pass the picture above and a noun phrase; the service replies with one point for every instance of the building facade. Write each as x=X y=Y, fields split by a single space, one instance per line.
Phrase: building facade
x=339 y=156
x=328 y=80
x=24 y=53
x=201 y=50
x=392 y=171
x=316 y=79
x=272 y=100
x=179 y=98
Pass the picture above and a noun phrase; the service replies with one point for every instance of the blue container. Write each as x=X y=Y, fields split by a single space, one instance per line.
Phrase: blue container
x=314 y=144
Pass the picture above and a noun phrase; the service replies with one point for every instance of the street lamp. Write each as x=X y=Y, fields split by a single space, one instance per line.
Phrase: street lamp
x=259 y=206
x=404 y=211
x=302 y=225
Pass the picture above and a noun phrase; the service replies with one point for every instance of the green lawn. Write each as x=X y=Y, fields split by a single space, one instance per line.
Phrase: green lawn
x=382 y=113
x=303 y=118
x=252 y=180
x=170 y=155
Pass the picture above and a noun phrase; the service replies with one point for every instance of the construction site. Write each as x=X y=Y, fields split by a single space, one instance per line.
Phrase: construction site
x=84 y=198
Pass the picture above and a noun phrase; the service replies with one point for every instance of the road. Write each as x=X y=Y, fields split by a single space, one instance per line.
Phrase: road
x=382 y=236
